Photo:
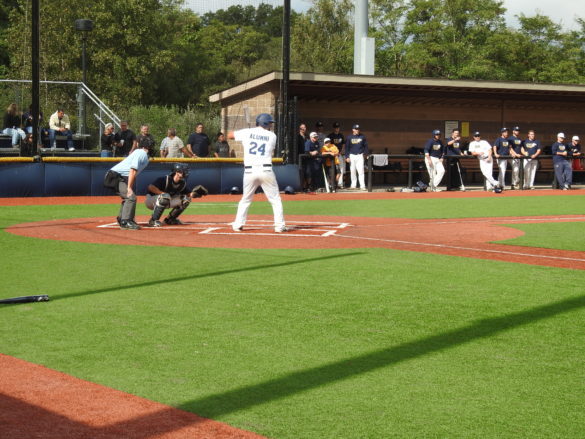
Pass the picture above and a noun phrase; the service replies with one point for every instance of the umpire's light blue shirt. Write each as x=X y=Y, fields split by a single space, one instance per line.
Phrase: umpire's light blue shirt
x=137 y=160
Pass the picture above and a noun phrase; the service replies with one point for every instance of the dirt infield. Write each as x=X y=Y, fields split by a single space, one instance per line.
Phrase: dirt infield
x=473 y=237
x=36 y=402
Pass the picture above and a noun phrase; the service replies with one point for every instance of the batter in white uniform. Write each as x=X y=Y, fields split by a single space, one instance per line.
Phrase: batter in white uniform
x=483 y=151
x=259 y=144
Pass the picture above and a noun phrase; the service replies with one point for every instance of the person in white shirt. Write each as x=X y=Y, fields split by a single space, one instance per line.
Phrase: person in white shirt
x=483 y=151
x=259 y=144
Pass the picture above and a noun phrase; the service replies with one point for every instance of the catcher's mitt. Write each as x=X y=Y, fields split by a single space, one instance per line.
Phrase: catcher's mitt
x=199 y=191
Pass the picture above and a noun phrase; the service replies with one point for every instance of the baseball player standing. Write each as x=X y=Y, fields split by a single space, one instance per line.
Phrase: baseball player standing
x=562 y=162
x=530 y=149
x=516 y=144
x=259 y=144
x=356 y=151
x=434 y=151
x=501 y=151
x=483 y=151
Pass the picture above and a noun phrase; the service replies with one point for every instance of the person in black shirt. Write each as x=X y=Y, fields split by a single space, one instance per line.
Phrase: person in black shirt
x=338 y=139
x=11 y=126
x=125 y=140
x=107 y=141
x=169 y=191
x=198 y=142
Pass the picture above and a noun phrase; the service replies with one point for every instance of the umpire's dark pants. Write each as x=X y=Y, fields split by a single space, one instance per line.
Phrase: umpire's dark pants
x=128 y=207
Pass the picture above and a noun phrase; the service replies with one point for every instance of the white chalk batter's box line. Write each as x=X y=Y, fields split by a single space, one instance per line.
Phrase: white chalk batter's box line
x=317 y=229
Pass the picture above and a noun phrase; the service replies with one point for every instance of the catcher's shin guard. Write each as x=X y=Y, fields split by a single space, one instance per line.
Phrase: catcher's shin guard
x=157 y=212
x=174 y=214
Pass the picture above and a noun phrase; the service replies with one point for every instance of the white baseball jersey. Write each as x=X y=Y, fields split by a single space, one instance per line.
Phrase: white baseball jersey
x=259 y=145
x=482 y=147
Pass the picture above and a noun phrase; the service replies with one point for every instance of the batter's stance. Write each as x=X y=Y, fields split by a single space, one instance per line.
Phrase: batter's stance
x=259 y=144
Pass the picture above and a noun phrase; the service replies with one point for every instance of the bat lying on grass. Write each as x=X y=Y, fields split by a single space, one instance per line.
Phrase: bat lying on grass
x=25 y=299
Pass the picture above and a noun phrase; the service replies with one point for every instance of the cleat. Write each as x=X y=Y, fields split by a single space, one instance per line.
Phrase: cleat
x=237 y=228
x=129 y=225
x=173 y=221
x=154 y=223
x=281 y=229
x=71 y=149
x=119 y=220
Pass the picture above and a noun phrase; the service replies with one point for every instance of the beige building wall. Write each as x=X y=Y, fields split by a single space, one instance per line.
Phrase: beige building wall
x=242 y=114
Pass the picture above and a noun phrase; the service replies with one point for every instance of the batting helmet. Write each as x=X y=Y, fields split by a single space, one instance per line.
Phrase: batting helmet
x=264 y=120
x=289 y=190
x=182 y=168
x=436 y=132
x=235 y=190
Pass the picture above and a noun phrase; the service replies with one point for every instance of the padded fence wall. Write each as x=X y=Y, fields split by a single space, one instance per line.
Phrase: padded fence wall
x=71 y=178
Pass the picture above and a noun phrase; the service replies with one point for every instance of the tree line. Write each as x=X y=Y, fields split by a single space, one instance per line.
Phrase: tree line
x=158 y=53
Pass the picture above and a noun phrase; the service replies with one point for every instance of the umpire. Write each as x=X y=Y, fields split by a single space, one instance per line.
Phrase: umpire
x=122 y=177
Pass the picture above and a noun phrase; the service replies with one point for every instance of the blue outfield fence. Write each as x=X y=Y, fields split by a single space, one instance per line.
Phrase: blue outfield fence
x=28 y=178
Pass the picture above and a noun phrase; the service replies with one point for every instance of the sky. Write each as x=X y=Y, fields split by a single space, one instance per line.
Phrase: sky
x=560 y=11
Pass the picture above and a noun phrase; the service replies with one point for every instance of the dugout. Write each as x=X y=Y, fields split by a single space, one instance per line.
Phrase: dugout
x=399 y=113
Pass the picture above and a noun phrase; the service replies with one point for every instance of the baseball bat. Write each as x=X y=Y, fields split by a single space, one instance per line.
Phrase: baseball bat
x=325 y=178
x=460 y=177
x=25 y=299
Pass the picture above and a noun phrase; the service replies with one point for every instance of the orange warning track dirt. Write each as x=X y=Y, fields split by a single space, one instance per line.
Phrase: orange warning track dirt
x=36 y=402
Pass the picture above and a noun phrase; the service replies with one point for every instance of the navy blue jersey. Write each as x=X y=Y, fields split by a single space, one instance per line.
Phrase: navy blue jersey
x=167 y=185
x=356 y=145
x=516 y=144
x=435 y=148
x=199 y=144
x=338 y=140
x=531 y=146
x=503 y=145
x=575 y=148
x=455 y=147
x=560 y=147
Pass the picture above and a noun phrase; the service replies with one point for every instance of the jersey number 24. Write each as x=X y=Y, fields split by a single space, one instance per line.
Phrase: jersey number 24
x=255 y=149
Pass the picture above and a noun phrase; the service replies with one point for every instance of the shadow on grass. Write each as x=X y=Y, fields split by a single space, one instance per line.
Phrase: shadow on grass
x=286 y=263
x=245 y=397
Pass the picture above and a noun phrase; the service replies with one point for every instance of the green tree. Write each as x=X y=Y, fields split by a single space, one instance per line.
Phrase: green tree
x=322 y=38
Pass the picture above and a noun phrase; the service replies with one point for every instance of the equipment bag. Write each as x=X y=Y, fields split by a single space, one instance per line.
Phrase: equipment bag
x=111 y=180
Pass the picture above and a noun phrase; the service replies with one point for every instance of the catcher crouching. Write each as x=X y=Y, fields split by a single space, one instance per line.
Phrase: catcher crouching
x=170 y=191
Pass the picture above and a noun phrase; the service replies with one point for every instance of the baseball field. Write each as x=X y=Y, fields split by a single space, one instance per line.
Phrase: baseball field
x=379 y=315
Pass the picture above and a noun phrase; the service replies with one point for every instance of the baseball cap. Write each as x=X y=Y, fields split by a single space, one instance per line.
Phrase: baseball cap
x=561 y=135
x=516 y=128
x=319 y=124
x=313 y=134
x=476 y=134
x=503 y=130
x=355 y=127
x=576 y=138
x=327 y=140
x=436 y=132
x=335 y=124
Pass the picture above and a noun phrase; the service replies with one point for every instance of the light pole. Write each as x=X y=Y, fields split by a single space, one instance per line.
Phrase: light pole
x=84 y=26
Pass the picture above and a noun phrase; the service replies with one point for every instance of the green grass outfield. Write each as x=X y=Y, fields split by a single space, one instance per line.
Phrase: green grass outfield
x=357 y=343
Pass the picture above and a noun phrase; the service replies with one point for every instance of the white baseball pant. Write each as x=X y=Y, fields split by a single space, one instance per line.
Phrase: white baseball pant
x=515 y=172
x=530 y=167
x=502 y=165
x=356 y=168
x=263 y=176
x=436 y=171
x=487 y=169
